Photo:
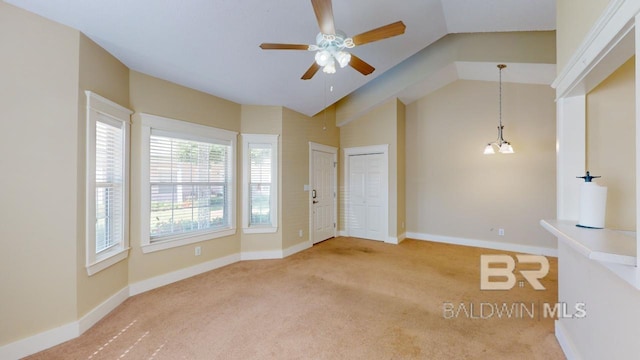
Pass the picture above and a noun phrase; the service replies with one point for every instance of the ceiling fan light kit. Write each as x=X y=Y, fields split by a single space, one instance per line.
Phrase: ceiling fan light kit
x=330 y=49
x=331 y=45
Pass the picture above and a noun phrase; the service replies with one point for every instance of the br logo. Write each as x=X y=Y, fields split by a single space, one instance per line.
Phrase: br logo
x=507 y=280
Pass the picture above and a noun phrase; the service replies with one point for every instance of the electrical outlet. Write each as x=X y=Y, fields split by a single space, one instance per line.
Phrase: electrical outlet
x=300 y=233
x=198 y=250
x=501 y=232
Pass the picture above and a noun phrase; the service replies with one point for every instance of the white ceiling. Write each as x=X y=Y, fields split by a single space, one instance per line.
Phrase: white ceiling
x=212 y=45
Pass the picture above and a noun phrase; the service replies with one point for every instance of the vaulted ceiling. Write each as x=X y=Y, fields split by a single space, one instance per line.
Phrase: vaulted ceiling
x=213 y=45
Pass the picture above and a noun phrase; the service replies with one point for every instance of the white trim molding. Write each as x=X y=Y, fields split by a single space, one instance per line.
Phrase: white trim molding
x=158 y=125
x=296 y=248
x=603 y=50
x=261 y=255
x=41 y=341
x=166 y=279
x=275 y=254
x=567 y=346
x=118 y=119
x=260 y=141
x=495 y=245
x=102 y=310
x=72 y=330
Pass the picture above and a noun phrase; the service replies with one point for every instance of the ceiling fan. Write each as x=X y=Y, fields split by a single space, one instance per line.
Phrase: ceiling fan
x=331 y=44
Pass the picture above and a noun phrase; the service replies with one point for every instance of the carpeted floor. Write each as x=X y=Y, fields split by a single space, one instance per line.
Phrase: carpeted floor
x=344 y=298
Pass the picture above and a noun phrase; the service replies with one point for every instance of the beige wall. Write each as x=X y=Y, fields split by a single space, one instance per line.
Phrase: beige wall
x=611 y=144
x=454 y=190
x=377 y=127
x=297 y=131
x=261 y=120
x=532 y=47
x=39 y=181
x=103 y=74
x=154 y=96
x=574 y=19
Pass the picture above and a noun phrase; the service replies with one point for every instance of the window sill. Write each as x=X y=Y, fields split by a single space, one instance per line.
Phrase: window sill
x=108 y=260
x=260 y=230
x=159 y=245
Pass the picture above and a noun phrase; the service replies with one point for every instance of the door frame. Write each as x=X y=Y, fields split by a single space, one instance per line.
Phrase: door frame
x=334 y=151
x=367 y=150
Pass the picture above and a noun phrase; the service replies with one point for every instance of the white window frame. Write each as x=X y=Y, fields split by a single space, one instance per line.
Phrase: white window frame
x=194 y=132
x=247 y=141
x=97 y=106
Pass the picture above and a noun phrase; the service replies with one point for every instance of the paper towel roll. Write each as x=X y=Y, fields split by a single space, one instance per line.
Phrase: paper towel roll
x=593 y=205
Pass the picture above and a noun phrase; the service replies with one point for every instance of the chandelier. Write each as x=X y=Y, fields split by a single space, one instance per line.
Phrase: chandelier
x=501 y=144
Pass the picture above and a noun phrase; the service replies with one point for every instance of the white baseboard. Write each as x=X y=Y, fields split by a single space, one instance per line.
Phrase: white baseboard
x=296 y=248
x=39 y=342
x=396 y=240
x=343 y=233
x=275 y=254
x=565 y=343
x=100 y=311
x=496 y=245
x=261 y=255
x=53 y=337
x=166 y=279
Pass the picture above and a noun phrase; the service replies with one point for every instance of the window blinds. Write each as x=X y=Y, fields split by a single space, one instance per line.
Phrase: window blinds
x=109 y=183
x=260 y=184
x=189 y=182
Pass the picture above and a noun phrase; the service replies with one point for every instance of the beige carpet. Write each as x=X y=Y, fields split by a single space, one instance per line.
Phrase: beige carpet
x=344 y=298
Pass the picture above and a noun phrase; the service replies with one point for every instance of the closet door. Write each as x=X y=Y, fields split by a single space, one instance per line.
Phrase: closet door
x=367 y=199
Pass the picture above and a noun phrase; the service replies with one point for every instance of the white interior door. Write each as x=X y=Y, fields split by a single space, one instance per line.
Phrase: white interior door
x=367 y=196
x=323 y=195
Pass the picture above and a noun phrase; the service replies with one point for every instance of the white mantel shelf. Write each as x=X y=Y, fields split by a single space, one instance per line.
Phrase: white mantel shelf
x=598 y=244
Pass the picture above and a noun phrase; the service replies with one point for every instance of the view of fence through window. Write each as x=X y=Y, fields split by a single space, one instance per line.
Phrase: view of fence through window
x=189 y=186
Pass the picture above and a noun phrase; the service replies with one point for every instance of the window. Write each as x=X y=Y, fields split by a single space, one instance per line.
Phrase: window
x=107 y=183
x=260 y=175
x=188 y=178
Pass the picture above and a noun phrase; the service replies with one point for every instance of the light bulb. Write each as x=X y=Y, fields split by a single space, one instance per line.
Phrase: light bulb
x=330 y=68
x=343 y=58
x=323 y=57
x=506 y=148
x=489 y=150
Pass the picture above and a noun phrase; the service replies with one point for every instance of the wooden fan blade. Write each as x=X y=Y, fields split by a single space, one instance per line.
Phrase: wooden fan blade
x=324 y=14
x=269 y=46
x=312 y=71
x=361 y=65
x=383 y=32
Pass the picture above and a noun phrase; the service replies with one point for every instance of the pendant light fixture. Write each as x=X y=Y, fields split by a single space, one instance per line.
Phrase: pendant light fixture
x=501 y=144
